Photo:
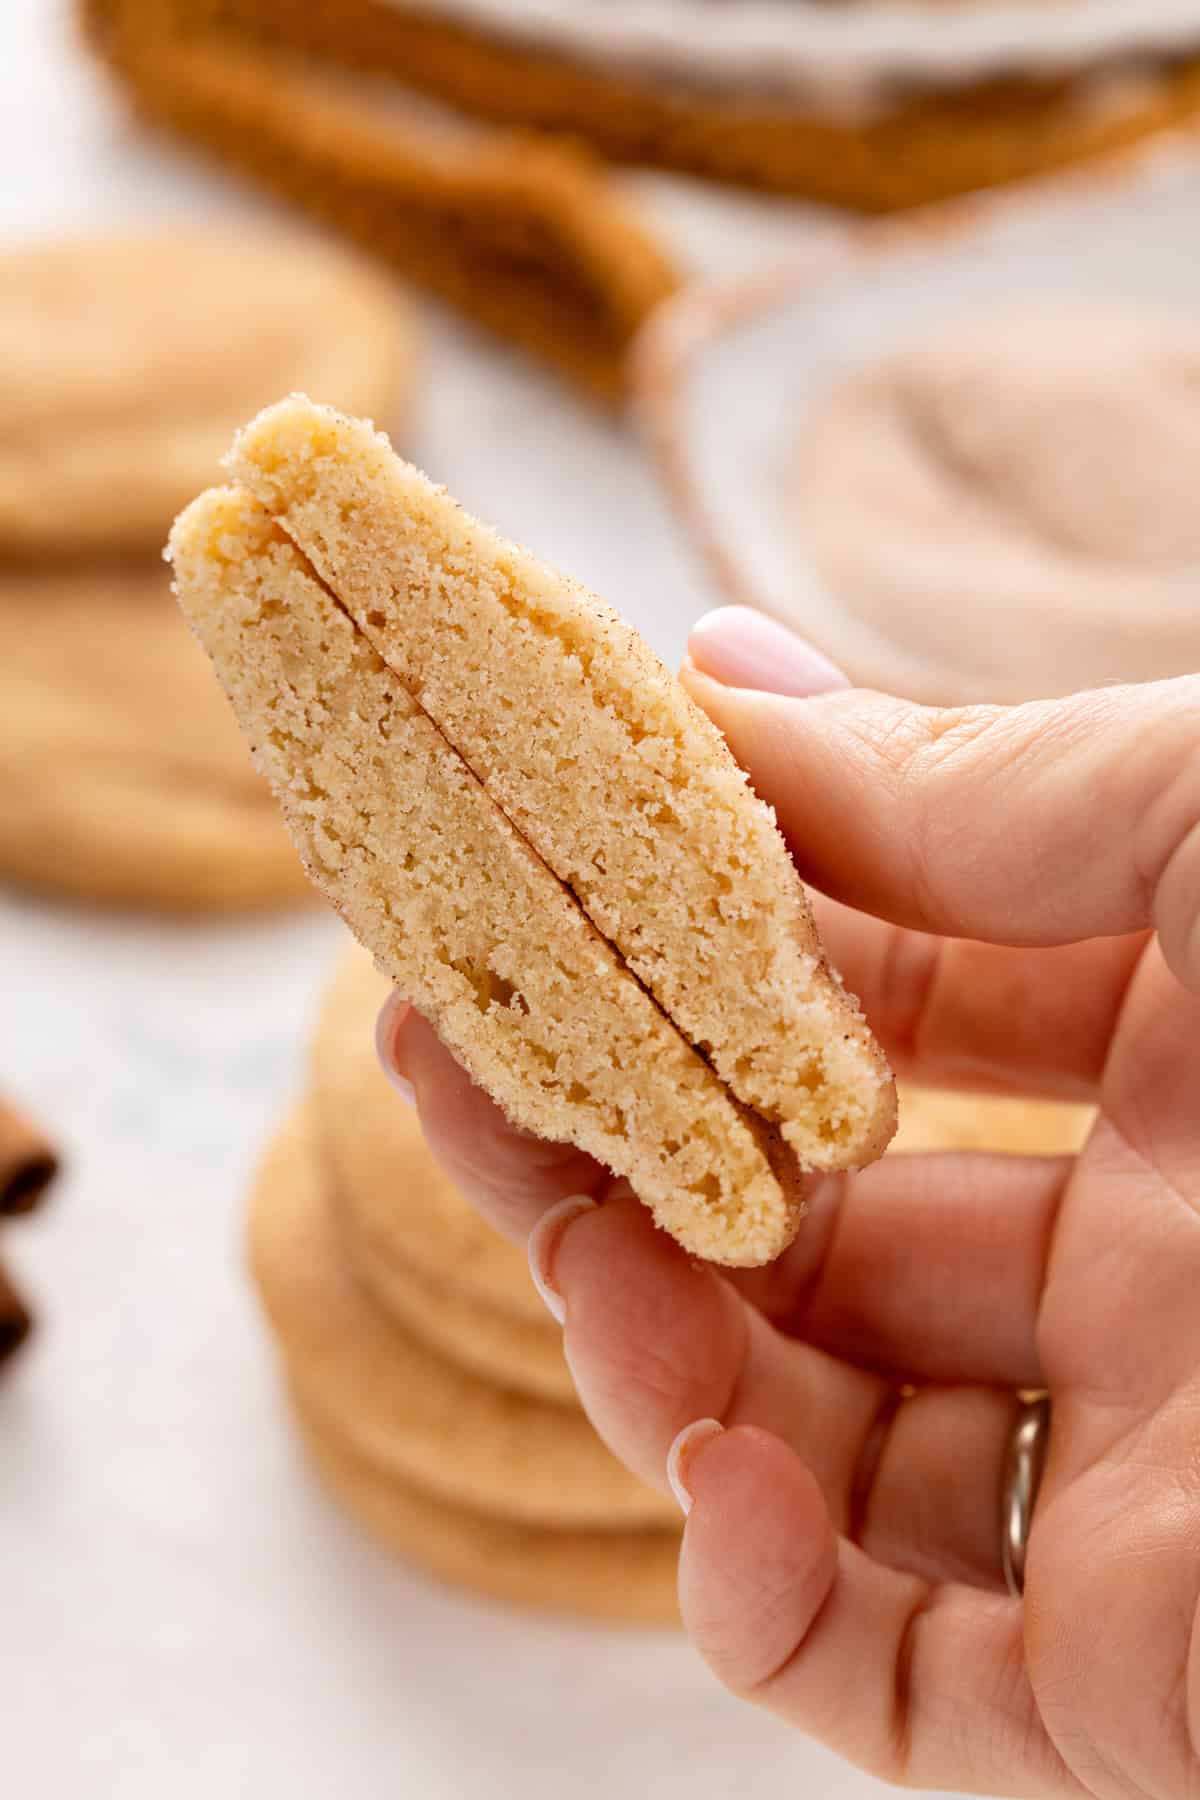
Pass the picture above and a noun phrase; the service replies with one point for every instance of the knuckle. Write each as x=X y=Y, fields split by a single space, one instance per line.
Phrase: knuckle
x=931 y=761
x=1174 y=810
x=937 y=760
x=1167 y=863
x=907 y=985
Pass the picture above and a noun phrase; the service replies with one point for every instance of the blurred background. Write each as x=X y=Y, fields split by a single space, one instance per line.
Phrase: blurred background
x=885 y=319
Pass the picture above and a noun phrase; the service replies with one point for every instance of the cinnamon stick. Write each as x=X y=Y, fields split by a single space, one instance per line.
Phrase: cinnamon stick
x=28 y=1161
x=16 y=1320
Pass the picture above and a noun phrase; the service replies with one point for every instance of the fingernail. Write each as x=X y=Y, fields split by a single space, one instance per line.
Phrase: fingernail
x=391 y=1016
x=742 y=648
x=544 y=1241
x=693 y=1437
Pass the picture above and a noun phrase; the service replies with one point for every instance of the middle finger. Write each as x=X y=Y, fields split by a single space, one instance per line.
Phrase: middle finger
x=656 y=1340
x=951 y=1011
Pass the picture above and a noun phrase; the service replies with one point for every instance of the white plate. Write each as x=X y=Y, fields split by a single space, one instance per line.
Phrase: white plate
x=726 y=373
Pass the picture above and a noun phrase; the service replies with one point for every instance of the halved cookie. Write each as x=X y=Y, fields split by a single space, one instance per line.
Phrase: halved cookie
x=602 y=763
x=463 y=916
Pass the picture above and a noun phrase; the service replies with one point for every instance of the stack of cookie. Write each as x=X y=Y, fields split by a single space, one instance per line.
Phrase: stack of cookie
x=428 y=1380
x=125 y=364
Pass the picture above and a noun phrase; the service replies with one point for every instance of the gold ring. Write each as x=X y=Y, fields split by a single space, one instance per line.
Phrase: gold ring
x=1022 y=1479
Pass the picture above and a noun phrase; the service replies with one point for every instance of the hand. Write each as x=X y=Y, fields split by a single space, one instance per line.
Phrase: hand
x=1015 y=895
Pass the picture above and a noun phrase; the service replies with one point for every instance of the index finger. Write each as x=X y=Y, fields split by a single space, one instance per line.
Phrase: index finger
x=954 y=1012
x=1039 y=824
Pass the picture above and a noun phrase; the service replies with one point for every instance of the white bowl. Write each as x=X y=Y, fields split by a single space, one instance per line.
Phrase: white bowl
x=726 y=373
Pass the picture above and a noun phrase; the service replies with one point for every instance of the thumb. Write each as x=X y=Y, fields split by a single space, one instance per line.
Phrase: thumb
x=1038 y=824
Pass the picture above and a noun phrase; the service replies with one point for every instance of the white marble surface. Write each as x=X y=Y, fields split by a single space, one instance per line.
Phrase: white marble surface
x=181 y=1613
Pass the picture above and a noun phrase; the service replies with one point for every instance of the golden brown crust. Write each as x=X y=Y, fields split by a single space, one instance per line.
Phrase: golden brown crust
x=923 y=150
x=497 y=1346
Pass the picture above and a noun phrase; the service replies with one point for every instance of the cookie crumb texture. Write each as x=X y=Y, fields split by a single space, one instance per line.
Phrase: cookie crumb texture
x=545 y=845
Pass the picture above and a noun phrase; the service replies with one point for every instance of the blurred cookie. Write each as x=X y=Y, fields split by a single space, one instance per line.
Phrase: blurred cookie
x=935 y=1119
x=401 y=1407
x=854 y=103
x=485 y=1340
x=495 y=1345
x=122 y=777
x=127 y=362
x=528 y=235
x=619 y=1575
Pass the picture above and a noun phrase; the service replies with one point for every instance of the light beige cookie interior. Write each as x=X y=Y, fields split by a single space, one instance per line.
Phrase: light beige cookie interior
x=598 y=757
x=126 y=362
x=627 y=1576
x=403 y=1408
x=461 y=914
x=122 y=777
